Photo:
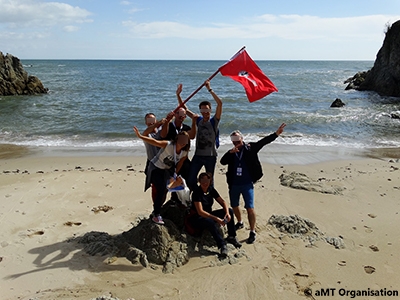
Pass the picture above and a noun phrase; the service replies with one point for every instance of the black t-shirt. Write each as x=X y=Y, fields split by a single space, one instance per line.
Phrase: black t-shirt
x=173 y=131
x=206 y=199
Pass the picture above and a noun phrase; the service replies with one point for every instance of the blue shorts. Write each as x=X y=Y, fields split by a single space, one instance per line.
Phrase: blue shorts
x=246 y=190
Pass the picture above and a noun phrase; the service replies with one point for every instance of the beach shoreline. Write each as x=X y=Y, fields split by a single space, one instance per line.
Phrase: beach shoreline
x=273 y=153
x=47 y=199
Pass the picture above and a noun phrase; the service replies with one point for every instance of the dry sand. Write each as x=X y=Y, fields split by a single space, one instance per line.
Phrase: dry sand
x=46 y=200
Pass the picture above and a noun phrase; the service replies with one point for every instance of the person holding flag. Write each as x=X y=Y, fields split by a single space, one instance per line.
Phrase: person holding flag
x=244 y=170
x=206 y=137
x=257 y=85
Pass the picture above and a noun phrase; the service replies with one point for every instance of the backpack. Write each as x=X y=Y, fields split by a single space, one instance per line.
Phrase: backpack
x=213 y=126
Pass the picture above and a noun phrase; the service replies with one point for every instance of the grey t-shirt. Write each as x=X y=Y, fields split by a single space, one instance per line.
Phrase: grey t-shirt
x=205 y=138
x=151 y=150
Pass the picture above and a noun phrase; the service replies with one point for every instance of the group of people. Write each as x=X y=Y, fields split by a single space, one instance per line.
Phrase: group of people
x=167 y=143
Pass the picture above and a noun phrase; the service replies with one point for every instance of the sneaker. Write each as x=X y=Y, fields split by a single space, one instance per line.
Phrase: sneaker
x=232 y=240
x=224 y=251
x=239 y=225
x=252 y=238
x=158 y=220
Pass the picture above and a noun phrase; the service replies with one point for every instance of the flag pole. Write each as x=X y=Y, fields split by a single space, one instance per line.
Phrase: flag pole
x=201 y=86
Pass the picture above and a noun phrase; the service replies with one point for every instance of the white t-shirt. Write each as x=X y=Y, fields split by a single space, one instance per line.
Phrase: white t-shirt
x=166 y=157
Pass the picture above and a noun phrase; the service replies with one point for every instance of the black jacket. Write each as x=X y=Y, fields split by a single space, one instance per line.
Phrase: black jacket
x=250 y=157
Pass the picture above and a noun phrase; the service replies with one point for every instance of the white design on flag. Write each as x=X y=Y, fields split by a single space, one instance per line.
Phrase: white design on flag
x=246 y=75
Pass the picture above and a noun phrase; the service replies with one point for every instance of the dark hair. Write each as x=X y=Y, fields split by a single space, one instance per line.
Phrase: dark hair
x=205 y=103
x=187 y=147
x=148 y=114
x=205 y=174
x=236 y=132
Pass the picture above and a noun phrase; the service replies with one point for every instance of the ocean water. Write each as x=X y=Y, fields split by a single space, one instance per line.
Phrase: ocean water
x=92 y=105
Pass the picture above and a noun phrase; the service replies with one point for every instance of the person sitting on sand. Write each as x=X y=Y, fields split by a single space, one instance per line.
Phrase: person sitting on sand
x=244 y=169
x=168 y=160
x=206 y=218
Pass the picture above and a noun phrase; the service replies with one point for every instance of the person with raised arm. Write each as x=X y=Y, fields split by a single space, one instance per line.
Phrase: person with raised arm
x=206 y=138
x=244 y=170
x=163 y=166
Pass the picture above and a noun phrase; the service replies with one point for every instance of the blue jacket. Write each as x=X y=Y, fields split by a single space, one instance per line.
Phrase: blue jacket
x=250 y=157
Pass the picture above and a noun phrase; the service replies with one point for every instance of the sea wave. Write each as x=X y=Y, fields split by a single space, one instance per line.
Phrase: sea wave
x=296 y=139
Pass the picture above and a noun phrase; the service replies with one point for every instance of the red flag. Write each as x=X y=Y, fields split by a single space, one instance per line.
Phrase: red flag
x=244 y=70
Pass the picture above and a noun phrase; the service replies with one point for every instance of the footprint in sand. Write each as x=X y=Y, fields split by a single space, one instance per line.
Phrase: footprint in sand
x=69 y=223
x=369 y=269
x=104 y=208
x=374 y=248
x=368 y=229
x=39 y=232
x=342 y=263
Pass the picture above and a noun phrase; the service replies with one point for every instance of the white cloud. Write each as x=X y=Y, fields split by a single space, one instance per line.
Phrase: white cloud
x=70 y=28
x=131 y=10
x=21 y=36
x=292 y=27
x=24 y=13
x=134 y=10
x=174 y=29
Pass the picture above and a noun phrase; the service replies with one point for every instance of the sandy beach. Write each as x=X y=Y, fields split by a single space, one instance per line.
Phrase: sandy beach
x=44 y=201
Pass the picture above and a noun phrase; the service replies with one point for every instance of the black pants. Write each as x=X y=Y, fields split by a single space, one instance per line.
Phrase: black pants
x=212 y=226
x=159 y=190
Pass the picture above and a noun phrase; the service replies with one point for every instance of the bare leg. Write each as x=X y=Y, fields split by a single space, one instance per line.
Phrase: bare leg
x=236 y=211
x=252 y=218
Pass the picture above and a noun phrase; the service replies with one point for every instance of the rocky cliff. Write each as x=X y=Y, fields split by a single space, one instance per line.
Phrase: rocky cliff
x=14 y=80
x=384 y=77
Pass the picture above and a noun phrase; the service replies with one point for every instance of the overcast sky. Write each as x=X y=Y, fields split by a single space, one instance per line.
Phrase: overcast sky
x=177 y=29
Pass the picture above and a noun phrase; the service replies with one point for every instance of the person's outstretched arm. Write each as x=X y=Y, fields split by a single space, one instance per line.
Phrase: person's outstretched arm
x=178 y=96
x=164 y=129
x=280 y=129
x=193 y=130
x=149 y=140
x=218 y=110
x=268 y=139
x=150 y=129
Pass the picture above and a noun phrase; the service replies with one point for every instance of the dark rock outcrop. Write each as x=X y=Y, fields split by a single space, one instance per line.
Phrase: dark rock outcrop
x=354 y=82
x=14 y=80
x=395 y=115
x=384 y=77
x=338 y=103
x=150 y=244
